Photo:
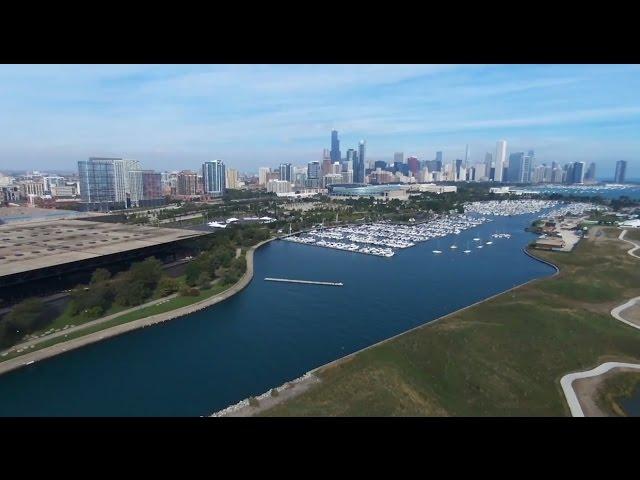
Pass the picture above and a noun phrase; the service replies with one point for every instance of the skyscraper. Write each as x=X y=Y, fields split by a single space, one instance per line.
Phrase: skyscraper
x=97 y=178
x=359 y=163
x=457 y=168
x=467 y=155
x=313 y=174
x=286 y=172
x=398 y=157
x=439 y=160
x=501 y=154
x=414 y=165
x=621 y=170
x=578 y=172
x=516 y=167
x=262 y=175
x=187 y=183
x=590 y=176
x=213 y=177
x=231 y=180
x=335 y=146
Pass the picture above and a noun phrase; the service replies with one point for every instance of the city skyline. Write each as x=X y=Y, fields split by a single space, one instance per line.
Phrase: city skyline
x=177 y=117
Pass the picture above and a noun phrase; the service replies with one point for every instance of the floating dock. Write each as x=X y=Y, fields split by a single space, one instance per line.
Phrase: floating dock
x=331 y=284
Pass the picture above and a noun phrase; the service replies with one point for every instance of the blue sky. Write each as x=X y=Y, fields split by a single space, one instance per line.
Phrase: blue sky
x=176 y=116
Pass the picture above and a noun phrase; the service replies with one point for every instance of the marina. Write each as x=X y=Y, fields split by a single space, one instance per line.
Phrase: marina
x=384 y=238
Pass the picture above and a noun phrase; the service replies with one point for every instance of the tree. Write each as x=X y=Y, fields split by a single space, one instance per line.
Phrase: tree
x=131 y=293
x=204 y=280
x=25 y=317
x=254 y=402
x=167 y=286
x=274 y=392
x=100 y=275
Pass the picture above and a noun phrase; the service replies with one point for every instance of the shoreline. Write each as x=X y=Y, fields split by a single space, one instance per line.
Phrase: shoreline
x=243 y=409
x=63 y=347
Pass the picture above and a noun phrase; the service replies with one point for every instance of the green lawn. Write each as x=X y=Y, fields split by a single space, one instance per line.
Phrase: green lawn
x=504 y=357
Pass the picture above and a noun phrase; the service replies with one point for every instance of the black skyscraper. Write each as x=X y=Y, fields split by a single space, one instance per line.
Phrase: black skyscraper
x=335 y=147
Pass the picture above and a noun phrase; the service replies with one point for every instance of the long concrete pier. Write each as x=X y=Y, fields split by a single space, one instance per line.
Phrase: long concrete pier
x=312 y=282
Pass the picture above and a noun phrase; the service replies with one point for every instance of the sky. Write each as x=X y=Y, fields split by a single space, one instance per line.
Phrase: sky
x=174 y=117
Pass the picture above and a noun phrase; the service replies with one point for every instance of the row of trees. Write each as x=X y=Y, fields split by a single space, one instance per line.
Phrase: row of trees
x=26 y=317
x=126 y=289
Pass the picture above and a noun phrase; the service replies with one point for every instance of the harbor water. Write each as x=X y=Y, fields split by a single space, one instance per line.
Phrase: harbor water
x=273 y=332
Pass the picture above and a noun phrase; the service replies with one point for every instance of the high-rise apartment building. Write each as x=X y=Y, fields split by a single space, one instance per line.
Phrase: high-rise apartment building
x=187 y=183
x=213 y=177
x=621 y=171
x=262 y=175
x=398 y=157
x=286 y=172
x=359 y=163
x=231 y=178
x=501 y=154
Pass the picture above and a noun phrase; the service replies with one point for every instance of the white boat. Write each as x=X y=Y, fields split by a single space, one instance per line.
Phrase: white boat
x=467 y=251
x=476 y=239
x=479 y=246
x=453 y=246
x=437 y=251
x=489 y=243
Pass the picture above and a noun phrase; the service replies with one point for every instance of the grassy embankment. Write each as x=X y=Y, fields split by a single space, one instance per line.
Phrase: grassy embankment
x=504 y=357
x=167 y=306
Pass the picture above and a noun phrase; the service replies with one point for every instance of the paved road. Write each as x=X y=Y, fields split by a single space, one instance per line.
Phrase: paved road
x=567 y=381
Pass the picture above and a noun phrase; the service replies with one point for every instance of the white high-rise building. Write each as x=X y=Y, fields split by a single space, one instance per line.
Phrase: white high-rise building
x=501 y=155
x=278 y=186
x=398 y=157
x=467 y=154
x=262 y=175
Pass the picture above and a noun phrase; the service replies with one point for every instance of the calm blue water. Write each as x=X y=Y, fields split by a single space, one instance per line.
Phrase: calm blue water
x=272 y=332
x=631 y=405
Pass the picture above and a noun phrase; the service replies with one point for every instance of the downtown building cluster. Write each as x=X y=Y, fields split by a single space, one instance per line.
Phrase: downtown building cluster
x=355 y=168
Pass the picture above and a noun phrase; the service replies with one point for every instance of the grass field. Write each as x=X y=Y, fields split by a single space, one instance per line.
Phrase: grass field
x=616 y=388
x=504 y=357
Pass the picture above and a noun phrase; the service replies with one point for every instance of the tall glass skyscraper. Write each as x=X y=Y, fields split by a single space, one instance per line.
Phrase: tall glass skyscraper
x=359 y=163
x=286 y=172
x=213 y=177
x=335 y=147
x=501 y=154
x=97 y=178
x=621 y=170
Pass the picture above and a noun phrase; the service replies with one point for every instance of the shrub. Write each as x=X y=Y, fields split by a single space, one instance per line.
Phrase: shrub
x=274 y=392
x=187 y=291
x=254 y=402
x=167 y=286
